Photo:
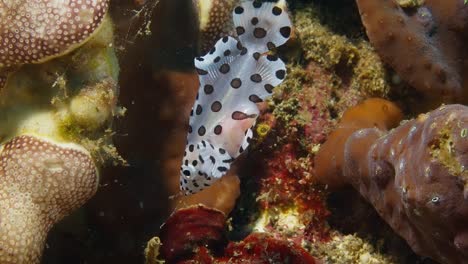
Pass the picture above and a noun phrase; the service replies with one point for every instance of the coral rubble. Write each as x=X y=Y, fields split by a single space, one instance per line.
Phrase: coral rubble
x=414 y=175
x=424 y=44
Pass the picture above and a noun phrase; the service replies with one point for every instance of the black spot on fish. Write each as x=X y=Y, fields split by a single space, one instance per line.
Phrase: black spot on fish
x=236 y=83
x=254 y=98
x=212 y=50
x=190 y=129
x=194 y=163
x=225 y=39
x=280 y=74
x=201 y=159
x=269 y=88
x=257 y=4
x=254 y=21
x=213 y=160
x=217 y=59
x=224 y=68
x=285 y=32
x=191 y=147
x=218 y=129
x=222 y=151
x=201 y=72
x=216 y=106
x=256 y=78
x=259 y=33
x=240 y=30
x=276 y=11
x=239 y=10
x=186 y=173
x=256 y=55
x=201 y=131
x=199 y=110
x=237 y=115
x=271 y=45
x=227 y=52
x=272 y=57
x=222 y=169
x=208 y=88
x=243 y=51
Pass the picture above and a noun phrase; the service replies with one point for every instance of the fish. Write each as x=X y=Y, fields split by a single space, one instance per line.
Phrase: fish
x=235 y=75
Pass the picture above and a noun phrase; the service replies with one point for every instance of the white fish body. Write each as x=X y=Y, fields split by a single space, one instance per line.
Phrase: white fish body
x=234 y=76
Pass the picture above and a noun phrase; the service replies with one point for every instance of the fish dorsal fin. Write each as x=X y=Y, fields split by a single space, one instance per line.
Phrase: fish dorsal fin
x=246 y=142
x=262 y=26
x=209 y=66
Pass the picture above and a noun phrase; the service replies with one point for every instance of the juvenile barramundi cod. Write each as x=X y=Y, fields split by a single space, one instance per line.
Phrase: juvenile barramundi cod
x=234 y=76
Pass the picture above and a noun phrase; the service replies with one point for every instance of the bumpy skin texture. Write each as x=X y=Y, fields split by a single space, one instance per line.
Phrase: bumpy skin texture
x=40 y=183
x=424 y=45
x=415 y=177
x=37 y=30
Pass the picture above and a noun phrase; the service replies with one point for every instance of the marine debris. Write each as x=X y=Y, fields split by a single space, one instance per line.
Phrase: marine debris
x=413 y=175
x=425 y=44
x=234 y=76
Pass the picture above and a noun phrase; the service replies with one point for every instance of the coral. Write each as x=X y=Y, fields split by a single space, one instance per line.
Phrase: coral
x=197 y=235
x=152 y=251
x=288 y=202
x=214 y=21
x=190 y=228
x=424 y=44
x=349 y=249
x=69 y=98
x=374 y=112
x=41 y=181
x=414 y=175
x=47 y=29
x=55 y=117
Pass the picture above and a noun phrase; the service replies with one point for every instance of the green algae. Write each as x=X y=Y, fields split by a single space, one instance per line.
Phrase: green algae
x=353 y=60
x=443 y=150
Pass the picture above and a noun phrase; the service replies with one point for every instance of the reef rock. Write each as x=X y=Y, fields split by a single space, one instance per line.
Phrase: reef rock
x=414 y=175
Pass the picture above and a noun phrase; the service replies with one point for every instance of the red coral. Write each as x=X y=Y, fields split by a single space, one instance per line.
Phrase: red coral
x=263 y=248
x=286 y=182
x=190 y=228
x=191 y=235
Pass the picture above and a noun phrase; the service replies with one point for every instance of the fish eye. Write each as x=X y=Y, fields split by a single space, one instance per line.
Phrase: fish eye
x=188 y=171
